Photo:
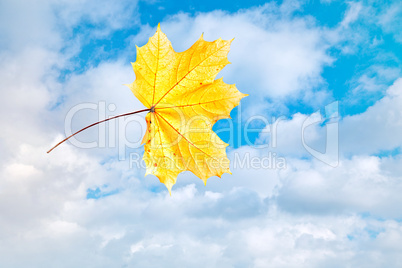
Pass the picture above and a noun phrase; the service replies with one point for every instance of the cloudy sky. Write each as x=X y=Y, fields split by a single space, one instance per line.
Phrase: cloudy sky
x=325 y=131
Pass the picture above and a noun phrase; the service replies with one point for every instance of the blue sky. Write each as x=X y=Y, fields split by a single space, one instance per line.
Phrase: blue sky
x=321 y=192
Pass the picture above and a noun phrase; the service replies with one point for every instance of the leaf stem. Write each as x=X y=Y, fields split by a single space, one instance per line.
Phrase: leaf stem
x=94 y=124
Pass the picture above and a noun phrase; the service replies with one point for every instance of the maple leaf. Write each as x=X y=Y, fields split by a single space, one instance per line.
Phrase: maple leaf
x=185 y=101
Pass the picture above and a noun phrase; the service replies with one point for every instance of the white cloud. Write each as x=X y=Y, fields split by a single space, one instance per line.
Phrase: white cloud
x=45 y=23
x=273 y=55
x=360 y=184
x=374 y=130
x=254 y=217
x=352 y=14
x=370 y=132
x=390 y=19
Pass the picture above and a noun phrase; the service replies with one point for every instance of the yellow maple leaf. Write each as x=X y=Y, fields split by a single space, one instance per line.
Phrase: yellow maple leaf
x=185 y=101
